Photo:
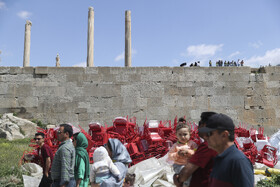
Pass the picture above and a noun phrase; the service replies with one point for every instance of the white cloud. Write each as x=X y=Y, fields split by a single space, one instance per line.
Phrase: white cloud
x=256 y=44
x=234 y=54
x=202 y=50
x=24 y=14
x=121 y=56
x=271 y=57
x=2 y=5
x=82 y=64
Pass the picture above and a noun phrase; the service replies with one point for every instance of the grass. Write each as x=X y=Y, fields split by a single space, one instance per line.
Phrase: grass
x=10 y=155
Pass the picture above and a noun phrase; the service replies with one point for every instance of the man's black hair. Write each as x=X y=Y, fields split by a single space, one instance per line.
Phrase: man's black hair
x=40 y=134
x=67 y=128
x=181 y=119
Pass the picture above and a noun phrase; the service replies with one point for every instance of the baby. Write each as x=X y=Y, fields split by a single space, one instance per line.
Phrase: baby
x=129 y=180
x=182 y=150
x=102 y=167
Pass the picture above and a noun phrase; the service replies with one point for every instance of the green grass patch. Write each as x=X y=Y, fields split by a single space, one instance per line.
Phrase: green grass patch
x=10 y=155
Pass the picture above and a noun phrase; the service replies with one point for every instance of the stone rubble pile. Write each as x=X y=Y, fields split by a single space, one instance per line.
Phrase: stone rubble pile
x=12 y=127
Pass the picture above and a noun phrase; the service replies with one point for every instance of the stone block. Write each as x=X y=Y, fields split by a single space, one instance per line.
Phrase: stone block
x=117 y=102
x=154 y=102
x=27 y=101
x=75 y=78
x=8 y=102
x=273 y=84
x=272 y=69
x=66 y=70
x=93 y=78
x=102 y=90
x=219 y=101
x=85 y=105
x=128 y=102
x=41 y=70
x=39 y=83
x=91 y=70
x=236 y=101
x=256 y=77
x=275 y=76
x=204 y=91
x=15 y=70
x=52 y=91
x=7 y=89
x=80 y=110
x=4 y=70
x=28 y=70
x=185 y=83
x=83 y=117
x=183 y=91
x=23 y=90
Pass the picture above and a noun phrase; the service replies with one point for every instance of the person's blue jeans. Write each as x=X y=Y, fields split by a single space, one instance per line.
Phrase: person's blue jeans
x=72 y=183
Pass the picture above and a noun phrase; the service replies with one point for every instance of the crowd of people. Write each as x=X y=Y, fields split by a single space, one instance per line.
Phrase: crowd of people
x=227 y=63
x=214 y=162
x=219 y=63
x=70 y=165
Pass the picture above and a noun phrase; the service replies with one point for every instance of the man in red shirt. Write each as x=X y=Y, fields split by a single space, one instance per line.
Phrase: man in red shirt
x=200 y=164
x=46 y=157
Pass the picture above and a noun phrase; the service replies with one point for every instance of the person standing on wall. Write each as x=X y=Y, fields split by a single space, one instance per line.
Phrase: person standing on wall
x=200 y=164
x=62 y=170
x=46 y=157
x=231 y=167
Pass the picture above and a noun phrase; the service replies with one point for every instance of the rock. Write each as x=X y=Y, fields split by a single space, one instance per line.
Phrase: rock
x=10 y=131
x=27 y=127
x=12 y=127
x=51 y=126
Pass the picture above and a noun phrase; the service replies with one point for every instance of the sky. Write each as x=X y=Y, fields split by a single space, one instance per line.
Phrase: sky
x=163 y=32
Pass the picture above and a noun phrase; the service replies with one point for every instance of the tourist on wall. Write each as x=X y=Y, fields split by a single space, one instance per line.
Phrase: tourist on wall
x=45 y=157
x=62 y=170
x=82 y=169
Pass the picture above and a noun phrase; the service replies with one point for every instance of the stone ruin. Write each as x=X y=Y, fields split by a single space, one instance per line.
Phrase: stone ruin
x=12 y=127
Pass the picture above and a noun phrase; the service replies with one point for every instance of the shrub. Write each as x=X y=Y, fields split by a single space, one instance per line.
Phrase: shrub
x=39 y=123
x=273 y=182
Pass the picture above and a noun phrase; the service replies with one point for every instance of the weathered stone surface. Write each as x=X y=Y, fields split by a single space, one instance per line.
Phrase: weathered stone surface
x=41 y=70
x=79 y=95
x=12 y=127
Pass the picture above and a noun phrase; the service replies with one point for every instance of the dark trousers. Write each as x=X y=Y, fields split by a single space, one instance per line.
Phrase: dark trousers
x=72 y=183
x=46 y=181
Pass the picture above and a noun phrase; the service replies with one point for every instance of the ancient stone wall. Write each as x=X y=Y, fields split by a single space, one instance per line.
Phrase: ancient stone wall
x=80 y=95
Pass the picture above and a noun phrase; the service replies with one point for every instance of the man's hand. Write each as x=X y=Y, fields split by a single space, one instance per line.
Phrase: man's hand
x=176 y=180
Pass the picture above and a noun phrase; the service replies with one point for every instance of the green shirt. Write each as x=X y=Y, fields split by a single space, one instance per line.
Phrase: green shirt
x=81 y=173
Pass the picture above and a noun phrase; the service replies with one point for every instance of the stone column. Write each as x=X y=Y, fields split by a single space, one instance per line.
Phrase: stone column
x=26 y=55
x=127 y=38
x=57 y=64
x=90 y=43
